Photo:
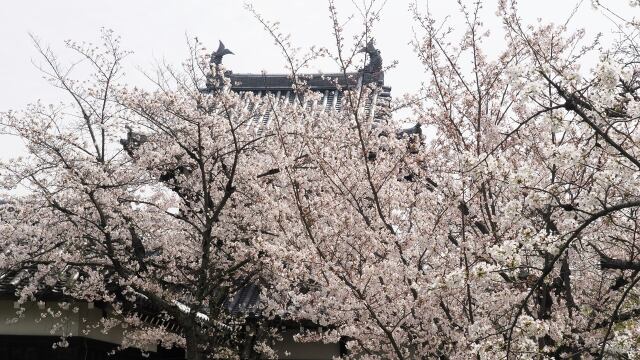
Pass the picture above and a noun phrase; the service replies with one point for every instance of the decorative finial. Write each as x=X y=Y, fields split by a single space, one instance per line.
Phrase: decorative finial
x=216 y=56
x=133 y=141
x=375 y=60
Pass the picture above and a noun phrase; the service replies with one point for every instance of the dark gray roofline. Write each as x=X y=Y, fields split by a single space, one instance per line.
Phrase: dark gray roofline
x=274 y=82
x=316 y=82
x=299 y=75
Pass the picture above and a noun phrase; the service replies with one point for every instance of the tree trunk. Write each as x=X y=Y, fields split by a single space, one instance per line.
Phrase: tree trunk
x=193 y=351
x=253 y=332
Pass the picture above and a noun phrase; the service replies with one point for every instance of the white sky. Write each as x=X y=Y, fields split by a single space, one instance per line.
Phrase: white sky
x=156 y=31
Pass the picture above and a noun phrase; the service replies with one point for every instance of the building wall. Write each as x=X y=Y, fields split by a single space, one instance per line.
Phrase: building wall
x=49 y=321
x=289 y=349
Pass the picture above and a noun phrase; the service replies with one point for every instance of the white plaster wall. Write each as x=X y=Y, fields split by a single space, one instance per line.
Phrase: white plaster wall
x=37 y=321
x=50 y=319
x=310 y=351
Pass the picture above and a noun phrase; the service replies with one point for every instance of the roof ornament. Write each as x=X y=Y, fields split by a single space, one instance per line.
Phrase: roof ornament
x=133 y=141
x=216 y=56
x=375 y=60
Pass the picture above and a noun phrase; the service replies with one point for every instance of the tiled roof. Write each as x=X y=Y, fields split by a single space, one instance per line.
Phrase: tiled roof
x=330 y=85
x=245 y=301
x=13 y=280
x=330 y=101
x=315 y=82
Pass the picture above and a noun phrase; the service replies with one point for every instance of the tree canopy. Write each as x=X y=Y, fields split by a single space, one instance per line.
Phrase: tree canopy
x=509 y=231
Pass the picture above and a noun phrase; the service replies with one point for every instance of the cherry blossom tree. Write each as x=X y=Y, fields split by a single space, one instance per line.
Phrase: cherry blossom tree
x=509 y=232
x=150 y=198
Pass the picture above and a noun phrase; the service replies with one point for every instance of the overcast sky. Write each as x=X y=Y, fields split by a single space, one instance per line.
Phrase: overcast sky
x=156 y=30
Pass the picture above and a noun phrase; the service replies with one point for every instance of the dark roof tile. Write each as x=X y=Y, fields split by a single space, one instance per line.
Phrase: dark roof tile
x=316 y=82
